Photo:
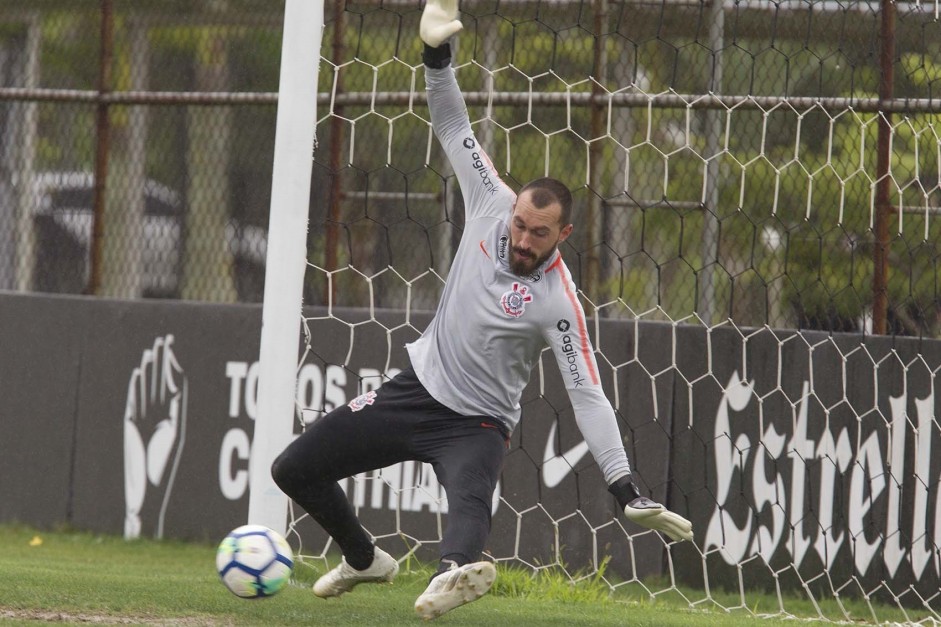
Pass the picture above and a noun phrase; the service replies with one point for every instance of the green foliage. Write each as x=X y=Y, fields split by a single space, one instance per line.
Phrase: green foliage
x=514 y=582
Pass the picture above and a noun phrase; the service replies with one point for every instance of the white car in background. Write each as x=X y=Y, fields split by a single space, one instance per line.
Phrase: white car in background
x=63 y=217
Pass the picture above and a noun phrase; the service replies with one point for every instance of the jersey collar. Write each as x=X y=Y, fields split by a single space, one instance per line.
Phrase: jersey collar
x=503 y=251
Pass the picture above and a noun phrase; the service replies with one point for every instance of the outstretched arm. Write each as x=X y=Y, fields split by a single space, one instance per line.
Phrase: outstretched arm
x=596 y=420
x=449 y=117
x=484 y=192
x=597 y=423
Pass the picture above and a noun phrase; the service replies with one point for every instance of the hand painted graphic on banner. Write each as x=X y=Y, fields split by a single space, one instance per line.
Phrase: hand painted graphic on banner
x=154 y=435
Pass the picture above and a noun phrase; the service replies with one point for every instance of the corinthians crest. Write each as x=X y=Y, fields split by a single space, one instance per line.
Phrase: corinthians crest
x=514 y=301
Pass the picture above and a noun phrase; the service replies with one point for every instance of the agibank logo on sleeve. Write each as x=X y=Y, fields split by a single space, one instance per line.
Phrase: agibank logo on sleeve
x=514 y=301
x=571 y=354
x=482 y=165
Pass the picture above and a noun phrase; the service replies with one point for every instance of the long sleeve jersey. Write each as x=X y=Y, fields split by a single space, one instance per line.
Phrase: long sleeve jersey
x=491 y=326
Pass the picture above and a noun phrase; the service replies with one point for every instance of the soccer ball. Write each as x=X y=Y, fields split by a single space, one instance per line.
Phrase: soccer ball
x=254 y=561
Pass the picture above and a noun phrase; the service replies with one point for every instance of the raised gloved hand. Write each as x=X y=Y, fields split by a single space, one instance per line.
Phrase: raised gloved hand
x=648 y=513
x=439 y=22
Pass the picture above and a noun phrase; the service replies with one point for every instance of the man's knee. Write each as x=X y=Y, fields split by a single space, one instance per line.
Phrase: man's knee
x=285 y=473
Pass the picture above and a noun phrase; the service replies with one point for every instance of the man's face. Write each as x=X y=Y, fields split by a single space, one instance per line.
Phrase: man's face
x=534 y=234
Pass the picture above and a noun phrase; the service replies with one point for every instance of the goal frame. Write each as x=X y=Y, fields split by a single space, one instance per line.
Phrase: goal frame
x=286 y=256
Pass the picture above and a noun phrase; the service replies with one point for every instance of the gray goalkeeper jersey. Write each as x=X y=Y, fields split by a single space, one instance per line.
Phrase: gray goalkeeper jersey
x=491 y=325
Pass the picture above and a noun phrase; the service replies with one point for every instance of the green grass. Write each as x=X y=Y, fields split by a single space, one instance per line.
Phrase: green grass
x=81 y=577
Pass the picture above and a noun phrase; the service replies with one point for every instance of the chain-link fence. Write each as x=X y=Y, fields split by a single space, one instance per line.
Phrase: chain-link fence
x=765 y=162
x=137 y=146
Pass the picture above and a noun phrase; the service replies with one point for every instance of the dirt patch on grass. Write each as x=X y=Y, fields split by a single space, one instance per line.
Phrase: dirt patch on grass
x=46 y=616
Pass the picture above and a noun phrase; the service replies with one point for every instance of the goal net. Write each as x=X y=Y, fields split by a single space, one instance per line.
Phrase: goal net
x=756 y=187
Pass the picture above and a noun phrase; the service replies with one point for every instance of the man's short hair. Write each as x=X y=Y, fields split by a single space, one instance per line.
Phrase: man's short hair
x=546 y=191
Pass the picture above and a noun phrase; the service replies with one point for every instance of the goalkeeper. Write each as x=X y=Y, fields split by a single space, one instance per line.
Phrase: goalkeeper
x=508 y=295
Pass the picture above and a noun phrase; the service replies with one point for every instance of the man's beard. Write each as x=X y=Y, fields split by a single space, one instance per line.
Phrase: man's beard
x=523 y=264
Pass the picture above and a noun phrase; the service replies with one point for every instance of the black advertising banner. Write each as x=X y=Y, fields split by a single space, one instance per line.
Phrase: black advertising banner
x=810 y=455
x=137 y=418
x=127 y=405
x=162 y=438
x=40 y=365
x=796 y=455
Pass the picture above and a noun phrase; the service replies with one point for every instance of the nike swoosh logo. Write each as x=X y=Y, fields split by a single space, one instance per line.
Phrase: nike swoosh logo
x=555 y=467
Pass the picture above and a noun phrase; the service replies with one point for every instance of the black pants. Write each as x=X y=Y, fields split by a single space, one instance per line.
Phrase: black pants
x=401 y=422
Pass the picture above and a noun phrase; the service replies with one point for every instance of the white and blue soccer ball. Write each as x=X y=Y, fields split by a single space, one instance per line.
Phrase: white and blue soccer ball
x=254 y=561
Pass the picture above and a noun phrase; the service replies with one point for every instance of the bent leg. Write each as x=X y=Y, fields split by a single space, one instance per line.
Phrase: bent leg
x=341 y=444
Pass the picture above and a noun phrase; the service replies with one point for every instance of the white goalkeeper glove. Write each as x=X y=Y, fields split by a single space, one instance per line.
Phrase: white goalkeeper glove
x=439 y=22
x=647 y=513
x=653 y=515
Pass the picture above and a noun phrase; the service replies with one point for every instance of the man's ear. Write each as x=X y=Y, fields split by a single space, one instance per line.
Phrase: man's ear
x=565 y=232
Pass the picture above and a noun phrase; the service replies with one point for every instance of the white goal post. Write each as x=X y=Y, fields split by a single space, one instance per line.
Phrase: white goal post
x=286 y=256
